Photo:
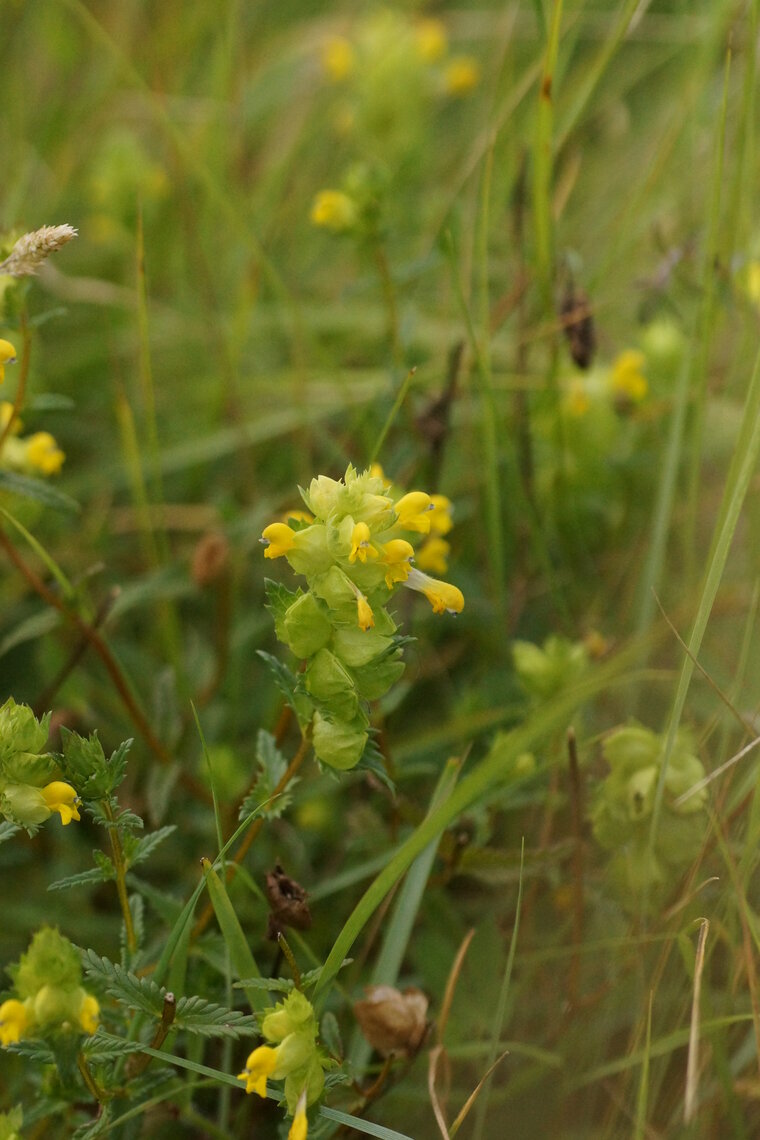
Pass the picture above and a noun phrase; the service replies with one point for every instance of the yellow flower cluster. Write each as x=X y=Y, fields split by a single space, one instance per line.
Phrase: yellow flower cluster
x=34 y=454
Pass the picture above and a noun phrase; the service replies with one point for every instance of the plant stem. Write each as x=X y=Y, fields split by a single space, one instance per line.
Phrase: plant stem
x=121 y=875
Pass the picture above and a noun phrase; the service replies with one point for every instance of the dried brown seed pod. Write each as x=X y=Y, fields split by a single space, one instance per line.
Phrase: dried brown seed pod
x=578 y=326
x=287 y=900
x=210 y=558
x=393 y=1022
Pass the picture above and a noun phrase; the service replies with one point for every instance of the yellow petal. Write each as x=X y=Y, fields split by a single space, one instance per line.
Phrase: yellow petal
x=61 y=797
x=278 y=539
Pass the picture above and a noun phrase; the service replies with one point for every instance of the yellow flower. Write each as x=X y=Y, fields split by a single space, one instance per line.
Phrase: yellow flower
x=7 y=417
x=261 y=1063
x=300 y=1126
x=440 y=516
x=61 y=797
x=334 y=210
x=377 y=472
x=397 y=555
x=462 y=75
x=432 y=43
x=364 y=616
x=752 y=281
x=338 y=58
x=13 y=1021
x=89 y=1013
x=576 y=400
x=298 y=515
x=44 y=453
x=413 y=512
x=278 y=539
x=443 y=597
x=7 y=356
x=434 y=555
x=361 y=547
x=627 y=379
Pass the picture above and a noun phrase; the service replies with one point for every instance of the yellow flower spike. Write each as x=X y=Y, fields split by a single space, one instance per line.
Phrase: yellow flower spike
x=397 y=555
x=413 y=512
x=89 y=1014
x=434 y=555
x=441 y=521
x=334 y=210
x=361 y=547
x=364 y=616
x=13 y=1021
x=443 y=597
x=432 y=43
x=261 y=1063
x=61 y=797
x=462 y=75
x=300 y=1126
x=338 y=59
x=43 y=453
x=278 y=539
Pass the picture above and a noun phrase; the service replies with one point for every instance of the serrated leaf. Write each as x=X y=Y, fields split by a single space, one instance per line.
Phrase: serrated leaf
x=33 y=1050
x=329 y=1032
x=94 y=875
x=134 y=992
x=285 y=985
x=196 y=1015
x=94 y=1127
x=104 y=1046
x=147 y=844
x=38 y=490
x=279 y=598
x=85 y=764
x=272 y=767
x=288 y=684
x=7 y=831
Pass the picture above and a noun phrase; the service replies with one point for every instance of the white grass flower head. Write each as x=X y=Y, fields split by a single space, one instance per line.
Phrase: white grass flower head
x=33 y=248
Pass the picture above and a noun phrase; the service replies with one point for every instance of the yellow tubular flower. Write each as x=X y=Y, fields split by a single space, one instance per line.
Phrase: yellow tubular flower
x=413 y=512
x=44 y=453
x=278 y=539
x=443 y=597
x=396 y=556
x=61 y=797
x=13 y=1021
x=300 y=1126
x=431 y=40
x=434 y=555
x=627 y=378
x=440 y=516
x=334 y=210
x=261 y=1064
x=462 y=75
x=338 y=59
x=361 y=547
x=364 y=616
x=7 y=417
x=7 y=356
x=89 y=1014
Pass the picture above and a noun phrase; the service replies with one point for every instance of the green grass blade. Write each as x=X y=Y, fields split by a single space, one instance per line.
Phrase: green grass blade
x=242 y=959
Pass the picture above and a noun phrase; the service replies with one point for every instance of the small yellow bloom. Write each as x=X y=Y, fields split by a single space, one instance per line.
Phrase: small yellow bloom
x=89 y=1014
x=300 y=1126
x=413 y=511
x=434 y=555
x=364 y=616
x=377 y=472
x=7 y=356
x=7 y=417
x=61 y=797
x=278 y=539
x=13 y=1021
x=397 y=555
x=361 y=547
x=338 y=59
x=44 y=453
x=261 y=1064
x=432 y=42
x=443 y=597
x=298 y=515
x=462 y=75
x=334 y=210
x=752 y=281
x=577 y=401
x=627 y=379
x=440 y=516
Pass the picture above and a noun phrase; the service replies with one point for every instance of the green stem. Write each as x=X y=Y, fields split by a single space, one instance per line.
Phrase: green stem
x=121 y=875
